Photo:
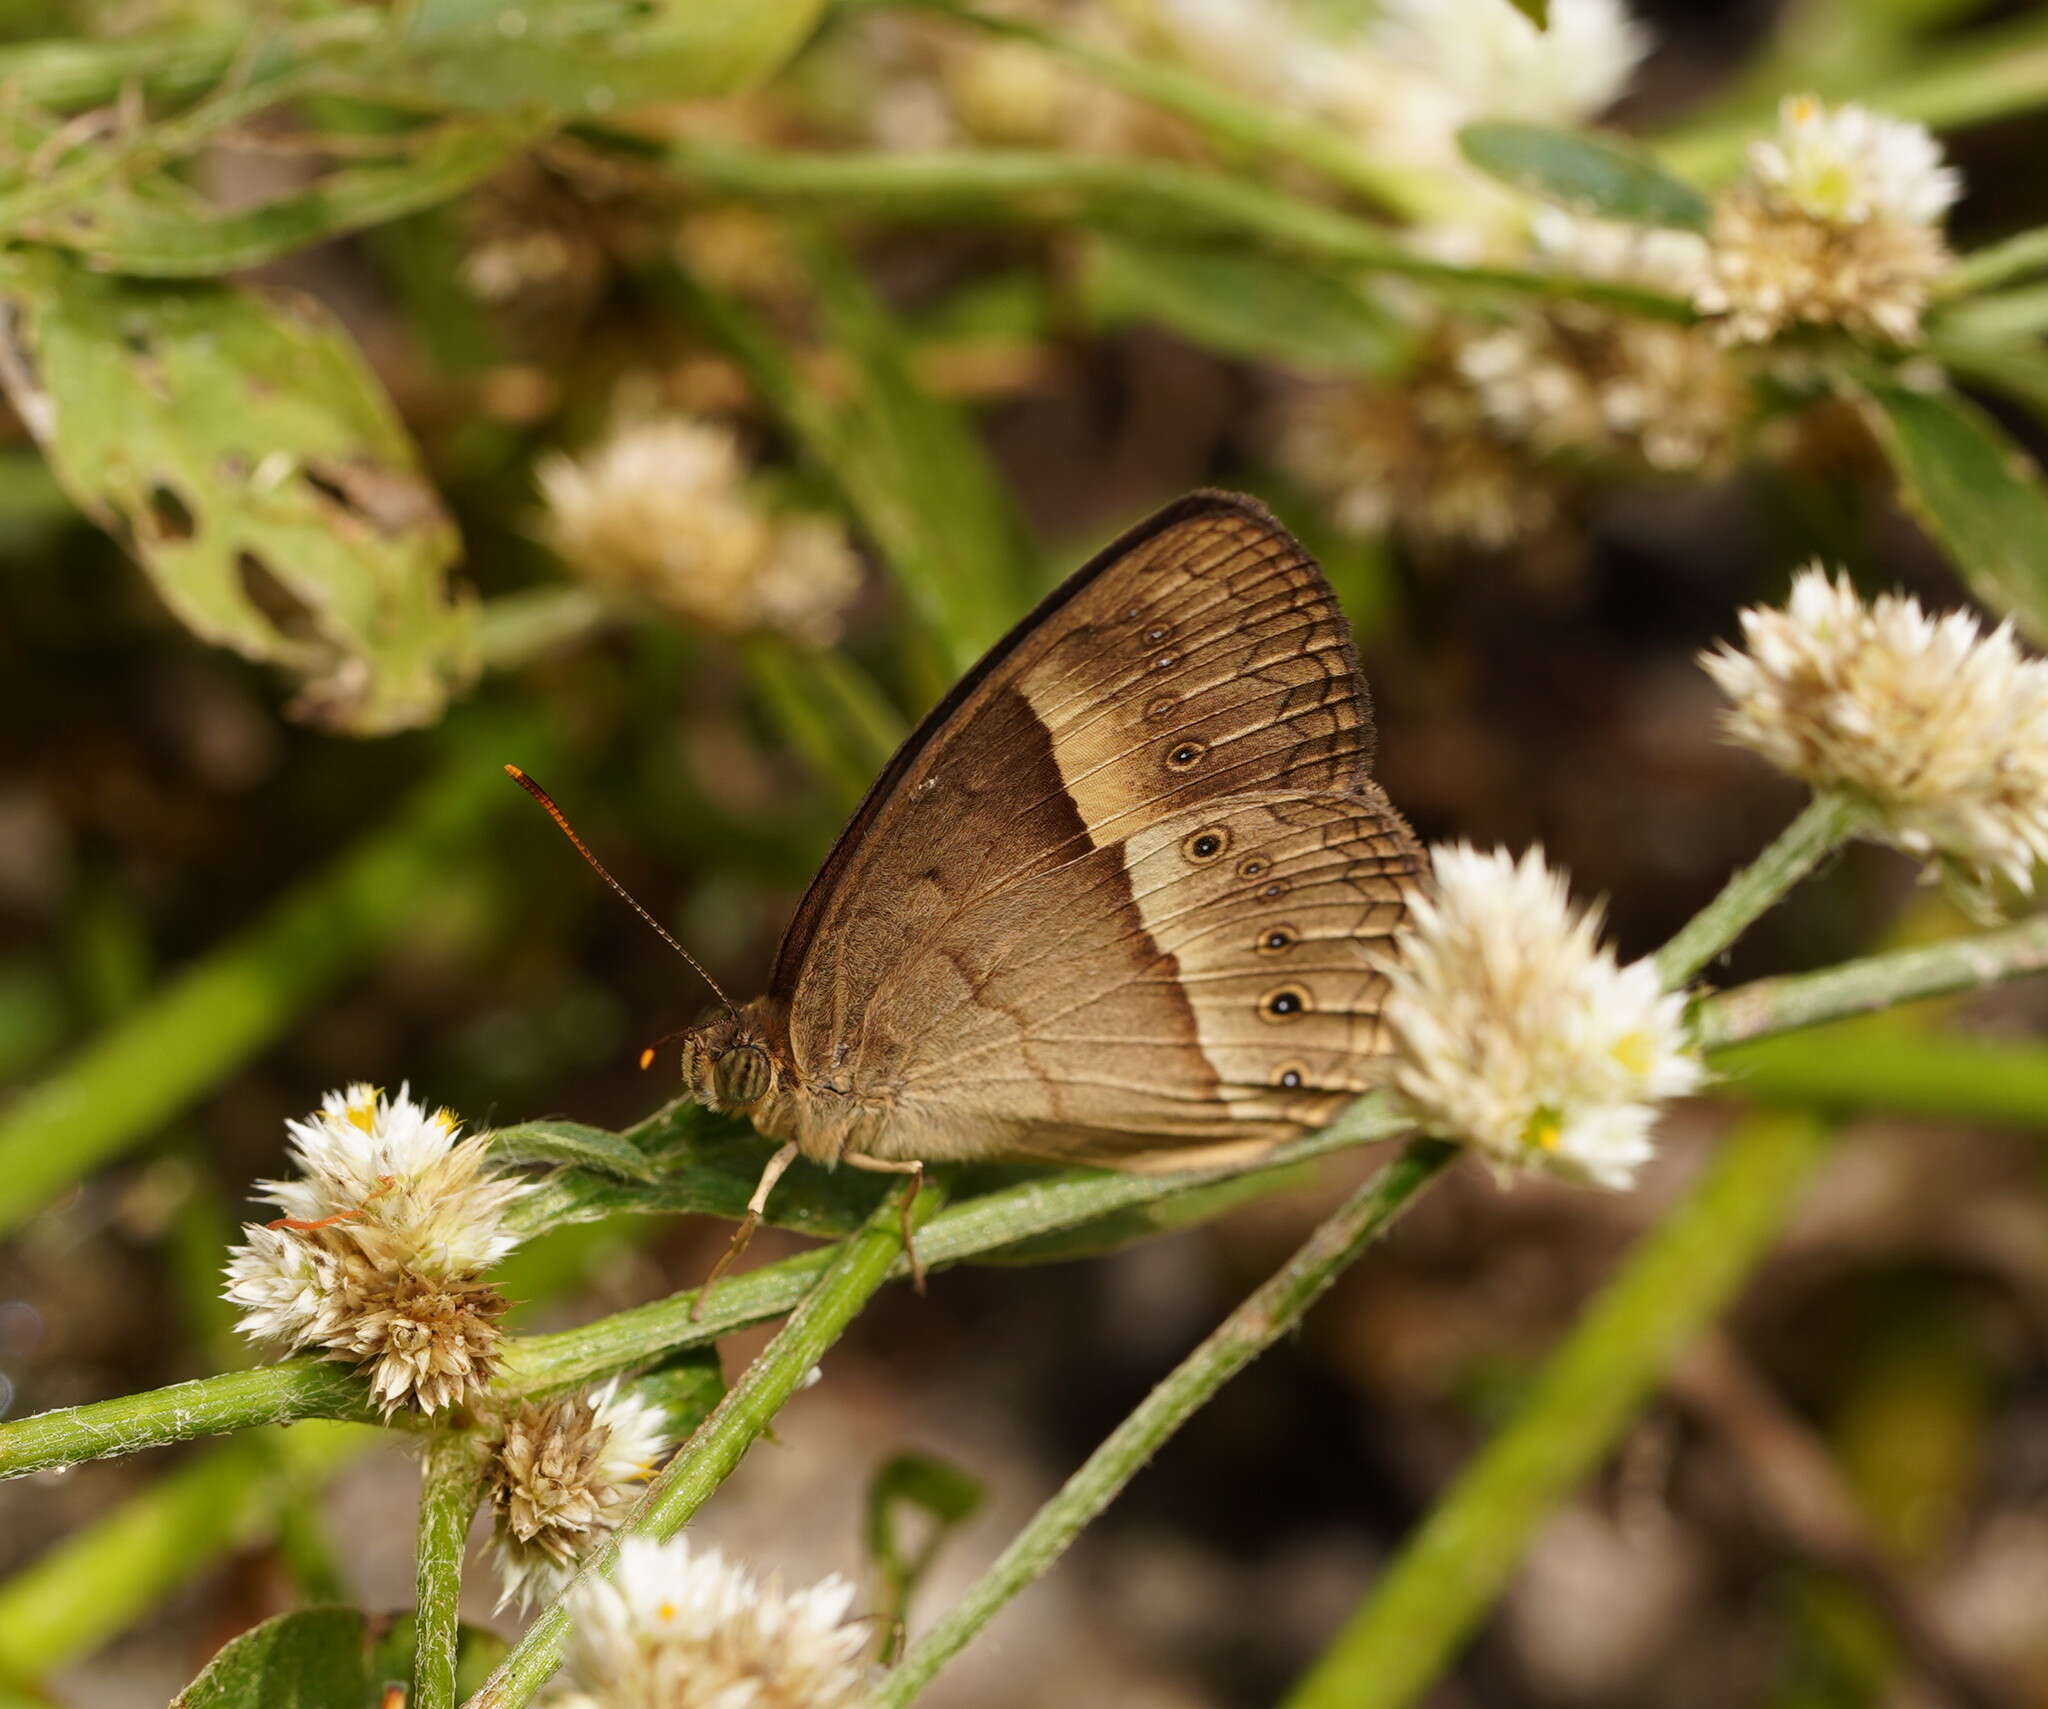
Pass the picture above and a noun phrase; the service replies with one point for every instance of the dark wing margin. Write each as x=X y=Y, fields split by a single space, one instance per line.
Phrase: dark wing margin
x=1207 y=501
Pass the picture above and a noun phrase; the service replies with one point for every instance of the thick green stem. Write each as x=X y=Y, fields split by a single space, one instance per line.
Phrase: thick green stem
x=1131 y=196
x=1675 y=1283
x=451 y=1481
x=1254 y=1326
x=1802 y=845
x=305 y=1388
x=215 y=1016
x=860 y=1266
x=516 y=628
x=309 y=1388
x=1765 y=1007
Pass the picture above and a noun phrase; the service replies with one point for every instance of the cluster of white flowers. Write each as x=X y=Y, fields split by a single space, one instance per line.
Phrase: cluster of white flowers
x=379 y=1256
x=1938 y=730
x=1837 y=223
x=562 y=1475
x=1420 y=455
x=1516 y=1031
x=680 y=1628
x=661 y=510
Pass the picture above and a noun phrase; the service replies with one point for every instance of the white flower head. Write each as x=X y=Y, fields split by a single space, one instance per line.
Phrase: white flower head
x=378 y=1257
x=661 y=509
x=677 y=1627
x=564 y=1473
x=1938 y=730
x=1494 y=61
x=412 y=1189
x=1847 y=165
x=1838 y=223
x=1515 y=1030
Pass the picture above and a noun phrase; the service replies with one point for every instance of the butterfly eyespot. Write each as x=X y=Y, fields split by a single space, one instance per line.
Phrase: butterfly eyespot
x=1278 y=938
x=1184 y=755
x=1206 y=845
x=1164 y=707
x=1158 y=632
x=1165 y=661
x=1251 y=866
x=1290 y=1076
x=1284 y=1003
x=1277 y=888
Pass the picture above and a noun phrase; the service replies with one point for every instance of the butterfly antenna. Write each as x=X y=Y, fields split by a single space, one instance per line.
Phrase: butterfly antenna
x=562 y=823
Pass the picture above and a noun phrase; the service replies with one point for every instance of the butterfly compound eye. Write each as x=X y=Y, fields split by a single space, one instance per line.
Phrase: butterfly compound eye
x=743 y=1076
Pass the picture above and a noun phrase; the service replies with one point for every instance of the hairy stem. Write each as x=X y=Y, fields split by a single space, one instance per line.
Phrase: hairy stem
x=859 y=1267
x=1802 y=845
x=1672 y=1286
x=1248 y=1331
x=451 y=1482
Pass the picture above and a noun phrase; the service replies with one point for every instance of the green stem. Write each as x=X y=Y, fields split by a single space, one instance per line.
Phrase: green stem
x=860 y=1266
x=215 y=1016
x=1265 y=1316
x=1851 y=1067
x=310 y=1388
x=306 y=1388
x=1817 y=832
x=451 y=1483
x=1785 y=1004
x=516 y=628
x=1674 y=1283
x=1137 y=197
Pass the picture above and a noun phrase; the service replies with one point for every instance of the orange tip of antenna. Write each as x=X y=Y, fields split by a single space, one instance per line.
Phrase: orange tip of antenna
x=514 y=771
x=647 y=1057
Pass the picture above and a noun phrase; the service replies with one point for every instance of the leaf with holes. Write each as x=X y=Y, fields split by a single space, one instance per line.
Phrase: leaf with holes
x=313 y=1659
x=1587 y=174
x=236 y=443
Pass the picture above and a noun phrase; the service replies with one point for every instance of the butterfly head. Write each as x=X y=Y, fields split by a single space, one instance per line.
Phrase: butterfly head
x=727 y=1064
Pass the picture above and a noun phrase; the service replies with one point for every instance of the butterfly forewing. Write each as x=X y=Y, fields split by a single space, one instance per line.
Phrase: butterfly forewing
x=1127 y=895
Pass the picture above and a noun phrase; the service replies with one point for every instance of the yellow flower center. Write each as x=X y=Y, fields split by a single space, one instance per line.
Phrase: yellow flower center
x=1635 y=1053
x=1543 y=1131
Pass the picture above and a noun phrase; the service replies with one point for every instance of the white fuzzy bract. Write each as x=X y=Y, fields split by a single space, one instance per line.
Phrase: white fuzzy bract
x=1837 y=223
x=564 y=1473
x=1515 y=1030
x=1937 y=729
x=677 y=1627
x=378 y=1257
x=661 y=510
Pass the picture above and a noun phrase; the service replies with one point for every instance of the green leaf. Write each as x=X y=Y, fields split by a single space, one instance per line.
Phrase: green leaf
x=1244 y=303
x=313 y=1659
x=1588 y=174
x=1973 y=489
x=571 y=1142
x=585 y=58
x=238 y=445
x=944 y=1497
x=157 y=226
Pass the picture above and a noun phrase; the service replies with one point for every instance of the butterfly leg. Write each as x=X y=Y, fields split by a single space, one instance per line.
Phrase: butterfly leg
x=893 y=1166
x=756 y=1206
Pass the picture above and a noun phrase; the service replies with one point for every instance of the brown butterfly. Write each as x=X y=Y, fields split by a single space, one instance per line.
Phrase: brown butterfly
x=1124 y=898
